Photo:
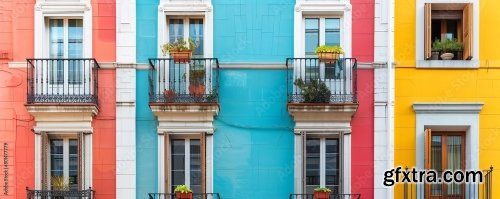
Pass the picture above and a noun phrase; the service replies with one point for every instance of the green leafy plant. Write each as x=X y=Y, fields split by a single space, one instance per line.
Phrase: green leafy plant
x=329 y=49
x=59 y=183
x=212 y=97
x=322 y=189
x=315 y=91
x=178 y=46
x=446 y=46
x=182 y=189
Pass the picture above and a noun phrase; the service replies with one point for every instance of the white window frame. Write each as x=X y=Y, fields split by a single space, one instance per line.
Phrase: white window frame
x=322 y=158
x=322 y=9
x=419 y=38
x=185 y=20
x=44 y=10
x=322 y=29
x=192 y=9
x=65 y=157
x=187 y=158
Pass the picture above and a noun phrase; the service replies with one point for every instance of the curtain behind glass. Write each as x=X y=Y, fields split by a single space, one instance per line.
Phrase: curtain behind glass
x=75 y=50
x=56 y=50
x=454 y=161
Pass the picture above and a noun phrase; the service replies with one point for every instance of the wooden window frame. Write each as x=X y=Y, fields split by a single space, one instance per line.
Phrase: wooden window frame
x=444 y=155
x=465 y=34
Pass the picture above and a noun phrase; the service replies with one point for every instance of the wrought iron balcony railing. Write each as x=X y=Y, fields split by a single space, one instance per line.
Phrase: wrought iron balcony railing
x=195 y=196
x=482 y=190
x=53 y=194
x=332 y=196
x=339 y=76
x=62 y=80
x=187 y=81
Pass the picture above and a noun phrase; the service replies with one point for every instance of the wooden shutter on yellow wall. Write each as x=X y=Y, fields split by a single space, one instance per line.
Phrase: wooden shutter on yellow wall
x=427 y=155
x=427 y=30
x=467 y=31
x=45 y=153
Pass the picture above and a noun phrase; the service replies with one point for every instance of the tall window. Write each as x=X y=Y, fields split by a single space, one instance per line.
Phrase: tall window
x=320 y=31
x=322 y=164
x=186 y=164
x=446 y=152
x=64 y=161
x=65 y=41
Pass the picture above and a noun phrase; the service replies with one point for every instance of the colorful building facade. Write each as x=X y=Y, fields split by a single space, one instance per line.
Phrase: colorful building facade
x=58 y=96
x=88 y=96
x=447 y=120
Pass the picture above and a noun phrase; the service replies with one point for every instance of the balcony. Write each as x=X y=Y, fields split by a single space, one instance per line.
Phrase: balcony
x=339 y=77
x=43 y=194
x=332 y=196
x=182 y=82
x=62 y=81
x=461 y=191
x=172 y=196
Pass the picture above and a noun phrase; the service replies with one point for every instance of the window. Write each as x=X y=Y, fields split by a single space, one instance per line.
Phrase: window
x=445 y=151
x=448 y=21
x=321 y=31
x=186 y=164
x=185 y=28
x=64 y=161
x=65 y=42
x=322 y=164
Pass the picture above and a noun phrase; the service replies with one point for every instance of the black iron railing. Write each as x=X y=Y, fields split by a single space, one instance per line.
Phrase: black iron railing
x=476 y=190
x=53 y=194
x=340 y=76
x=172 y=196
x=332 y=196
x=189 y=81
x=62 y=80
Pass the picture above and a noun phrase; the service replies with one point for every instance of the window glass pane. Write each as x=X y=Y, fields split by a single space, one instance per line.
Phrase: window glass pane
x=195 y=166
x=196 y=34
x=56 y=46
x=332 y=161
x=175 y=29
x=332 y=31
x=73 y=164
x=311 y=35
x=312 y=164
x=178 y=162
x=436 y=158
x=454 y=150
x=75 y=50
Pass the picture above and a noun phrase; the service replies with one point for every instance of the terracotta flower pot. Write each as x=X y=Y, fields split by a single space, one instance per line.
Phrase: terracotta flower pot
x=447 y=56
x=169 y=95
x=328 y=57
x=321 y=195
x=181 y=56
x=197 y=89
x=179 y=195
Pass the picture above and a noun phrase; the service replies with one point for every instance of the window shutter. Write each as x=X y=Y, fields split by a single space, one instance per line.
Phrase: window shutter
x=81 y=160
x=203 y=161
x=166 y=163
x=427 y=30
x=45 y=152
x=467 y=31
x=427 y=155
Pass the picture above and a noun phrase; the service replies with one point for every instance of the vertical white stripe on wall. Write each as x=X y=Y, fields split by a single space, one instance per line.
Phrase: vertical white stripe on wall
x=125 y=99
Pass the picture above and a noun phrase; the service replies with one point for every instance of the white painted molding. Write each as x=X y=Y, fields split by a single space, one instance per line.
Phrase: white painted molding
x=55 y=118
x=450 y=64
x=448 y=108
x=18 y=64
x=253 y=65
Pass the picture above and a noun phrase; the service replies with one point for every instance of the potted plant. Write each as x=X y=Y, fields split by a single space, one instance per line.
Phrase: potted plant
x=436 y=49
x=183 y=192
x=447 y=48
x=322 y=193
x=327 y=53
x=457 y=48
x=179 y=50
x=170 y=95
x=314 y=91
x=197 y=86
x=60 y=184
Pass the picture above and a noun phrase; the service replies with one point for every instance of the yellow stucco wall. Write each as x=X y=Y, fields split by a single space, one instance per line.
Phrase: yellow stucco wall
x=448 y=85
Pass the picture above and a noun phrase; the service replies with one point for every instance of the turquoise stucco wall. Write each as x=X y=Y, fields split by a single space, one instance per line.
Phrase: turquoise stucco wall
x=253 y=140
